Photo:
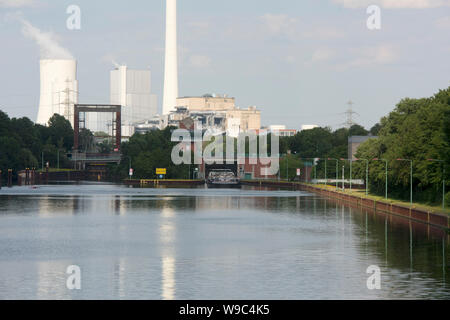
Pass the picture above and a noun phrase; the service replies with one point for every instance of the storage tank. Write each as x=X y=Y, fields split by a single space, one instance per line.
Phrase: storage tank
x=59 y=89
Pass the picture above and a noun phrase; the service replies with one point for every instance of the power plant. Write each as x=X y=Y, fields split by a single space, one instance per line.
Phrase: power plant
x=171 y=63
x=59 y=89
x=132 y=90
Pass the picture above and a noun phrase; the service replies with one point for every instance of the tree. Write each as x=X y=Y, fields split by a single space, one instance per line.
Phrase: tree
x=86 y=140
x=418 y=130
x=357 y=130
x=60 y=132
x=316 y=142
x=375 y=129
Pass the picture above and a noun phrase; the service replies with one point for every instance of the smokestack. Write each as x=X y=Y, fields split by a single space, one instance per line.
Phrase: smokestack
x=171 y=64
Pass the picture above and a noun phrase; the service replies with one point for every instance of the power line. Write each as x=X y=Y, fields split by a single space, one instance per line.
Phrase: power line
x=349 y=115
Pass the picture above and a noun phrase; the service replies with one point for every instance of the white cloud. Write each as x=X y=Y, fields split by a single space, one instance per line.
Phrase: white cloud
x=199 y=24
x=279 y=24
x=282 y=25
x=443 y=23
x=373 y=56
x=323 y=33
x=16 y=3
x=199 y=61
x=394 y=4
x=322 y=54
x=291 y=59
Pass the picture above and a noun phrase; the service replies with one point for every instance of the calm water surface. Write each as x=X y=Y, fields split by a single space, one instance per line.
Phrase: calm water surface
x=210 y=244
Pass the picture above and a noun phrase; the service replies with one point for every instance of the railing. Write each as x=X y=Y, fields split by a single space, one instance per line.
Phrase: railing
x=109 y=157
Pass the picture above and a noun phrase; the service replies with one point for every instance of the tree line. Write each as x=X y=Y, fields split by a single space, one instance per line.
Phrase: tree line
x=417 y=130
x=24 y=144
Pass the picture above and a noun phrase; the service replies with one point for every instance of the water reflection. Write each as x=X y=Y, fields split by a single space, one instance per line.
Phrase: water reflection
x=167 y=235
x=181 y=244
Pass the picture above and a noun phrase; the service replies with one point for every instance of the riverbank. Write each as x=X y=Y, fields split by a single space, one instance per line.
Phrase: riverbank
x=415 y=212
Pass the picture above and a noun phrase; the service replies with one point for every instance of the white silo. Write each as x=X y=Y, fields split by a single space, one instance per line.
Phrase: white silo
x=59 y=89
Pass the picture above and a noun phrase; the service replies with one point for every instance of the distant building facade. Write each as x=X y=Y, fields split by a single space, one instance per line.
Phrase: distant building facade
x=217 y=113
x=354 y=142
x=283 y=131
x=132 y=90
x=308 y=127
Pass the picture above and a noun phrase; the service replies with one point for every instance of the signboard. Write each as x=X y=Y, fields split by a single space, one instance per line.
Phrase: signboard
x=161 y=171
x=298 y=172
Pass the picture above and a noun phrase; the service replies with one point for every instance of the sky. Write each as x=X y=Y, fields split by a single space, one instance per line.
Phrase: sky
x=298 y=61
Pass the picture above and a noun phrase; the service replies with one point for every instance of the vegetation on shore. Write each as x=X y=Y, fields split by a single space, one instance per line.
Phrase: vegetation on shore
x=24 y=144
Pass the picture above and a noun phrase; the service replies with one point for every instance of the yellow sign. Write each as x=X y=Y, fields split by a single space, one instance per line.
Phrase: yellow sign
x=161 y=171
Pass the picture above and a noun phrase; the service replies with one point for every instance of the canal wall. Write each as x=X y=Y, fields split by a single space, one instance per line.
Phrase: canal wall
x=33 y=177
x=433 y=218
x=164 y=182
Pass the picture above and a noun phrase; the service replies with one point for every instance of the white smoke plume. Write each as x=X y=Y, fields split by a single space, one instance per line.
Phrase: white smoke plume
x=47 y=42
x=109 y=58
x=16 y=3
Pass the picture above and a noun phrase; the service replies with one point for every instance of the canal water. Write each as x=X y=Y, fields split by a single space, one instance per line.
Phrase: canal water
x=210 y=244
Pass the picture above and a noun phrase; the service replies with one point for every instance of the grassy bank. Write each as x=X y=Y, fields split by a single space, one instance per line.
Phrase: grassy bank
x=362 y=194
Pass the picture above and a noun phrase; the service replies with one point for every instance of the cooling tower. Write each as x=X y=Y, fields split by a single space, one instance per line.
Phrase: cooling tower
x=171 y=64
x=59 y=89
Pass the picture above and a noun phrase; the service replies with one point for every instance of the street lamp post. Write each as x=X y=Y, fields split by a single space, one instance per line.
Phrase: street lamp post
x=315 y=165
x=129 y=165
x=58 y=158
x=351 y=178
x=367 y=174
x=337 y=170
x=410 y=180
x=386 y=176
x=287 y=167
x=443 y=180
x=315 y=174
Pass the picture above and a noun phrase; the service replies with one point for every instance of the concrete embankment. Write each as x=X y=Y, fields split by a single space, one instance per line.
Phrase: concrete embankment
x=31 y=177
x=439 y=219
x=165 y=182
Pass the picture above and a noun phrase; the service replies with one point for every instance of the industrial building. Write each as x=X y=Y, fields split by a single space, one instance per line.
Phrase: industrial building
x=354 y=142
x=132 y=90
x=308 y=127
x=282 y=130
x=59 y=89
x=218 y=113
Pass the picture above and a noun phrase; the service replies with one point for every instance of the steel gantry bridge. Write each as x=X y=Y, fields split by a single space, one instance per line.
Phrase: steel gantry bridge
x=96 y=161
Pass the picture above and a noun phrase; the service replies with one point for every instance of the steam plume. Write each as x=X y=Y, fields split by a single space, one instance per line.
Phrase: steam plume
x=47 y=42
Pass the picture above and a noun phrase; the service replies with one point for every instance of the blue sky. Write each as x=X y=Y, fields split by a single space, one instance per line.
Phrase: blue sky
x=300 y=62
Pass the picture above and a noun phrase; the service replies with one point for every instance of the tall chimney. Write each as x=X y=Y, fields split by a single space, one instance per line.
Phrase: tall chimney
x=171 y=64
